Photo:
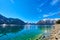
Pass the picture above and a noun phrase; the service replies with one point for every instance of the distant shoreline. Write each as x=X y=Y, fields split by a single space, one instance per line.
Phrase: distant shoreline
x=10 y=25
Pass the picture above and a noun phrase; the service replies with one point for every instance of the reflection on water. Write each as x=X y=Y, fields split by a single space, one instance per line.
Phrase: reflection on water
x=27 y=32
x=29 y=27
x=10 y=29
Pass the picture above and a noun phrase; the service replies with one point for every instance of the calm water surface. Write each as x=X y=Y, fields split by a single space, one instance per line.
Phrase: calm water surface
x=26 y=32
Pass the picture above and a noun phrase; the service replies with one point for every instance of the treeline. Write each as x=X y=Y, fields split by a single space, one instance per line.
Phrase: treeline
x=58 y=21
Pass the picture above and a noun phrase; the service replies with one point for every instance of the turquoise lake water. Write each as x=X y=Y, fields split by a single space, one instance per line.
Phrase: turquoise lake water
x=26 y=32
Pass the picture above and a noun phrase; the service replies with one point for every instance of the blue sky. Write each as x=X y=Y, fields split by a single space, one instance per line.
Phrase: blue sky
x=30 y=10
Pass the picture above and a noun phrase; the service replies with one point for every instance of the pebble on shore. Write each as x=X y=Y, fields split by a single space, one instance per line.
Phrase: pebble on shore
x=55 y=34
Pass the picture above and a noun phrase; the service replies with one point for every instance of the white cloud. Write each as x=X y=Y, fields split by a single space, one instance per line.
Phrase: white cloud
x=41 y=4
x=50 y=14
x=54 y=2
x=39 y=10
x=51 y=19
x=57 y=19
x=46 y=15
x=12 y=1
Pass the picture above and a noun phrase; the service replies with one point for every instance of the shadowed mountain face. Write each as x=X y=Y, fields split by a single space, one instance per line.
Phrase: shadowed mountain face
x=4 y=20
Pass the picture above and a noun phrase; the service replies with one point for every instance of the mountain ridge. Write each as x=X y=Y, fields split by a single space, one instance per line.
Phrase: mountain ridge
x=5 y=20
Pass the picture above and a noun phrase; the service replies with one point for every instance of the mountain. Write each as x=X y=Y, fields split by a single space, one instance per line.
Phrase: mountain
x=46 y=22
x=4 y=20
x=16 y=21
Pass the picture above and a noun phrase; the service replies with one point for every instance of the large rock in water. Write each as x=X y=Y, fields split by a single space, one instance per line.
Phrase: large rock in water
x=4 y=20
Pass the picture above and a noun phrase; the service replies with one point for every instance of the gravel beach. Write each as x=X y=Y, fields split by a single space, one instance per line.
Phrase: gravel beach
x=55 y=34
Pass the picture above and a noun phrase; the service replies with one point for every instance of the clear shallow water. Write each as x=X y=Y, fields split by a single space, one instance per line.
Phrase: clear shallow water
x=27 y=32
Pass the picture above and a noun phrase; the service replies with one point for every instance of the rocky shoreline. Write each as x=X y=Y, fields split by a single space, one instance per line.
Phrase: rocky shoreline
x=55 y=34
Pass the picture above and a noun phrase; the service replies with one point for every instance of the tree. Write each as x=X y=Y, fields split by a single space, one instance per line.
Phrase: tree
x=58 y=22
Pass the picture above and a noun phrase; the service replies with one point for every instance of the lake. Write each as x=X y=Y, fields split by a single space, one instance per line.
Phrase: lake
x=26 y=32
